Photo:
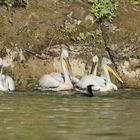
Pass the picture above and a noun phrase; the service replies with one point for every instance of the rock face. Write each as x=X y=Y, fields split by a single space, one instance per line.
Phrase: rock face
x=27 y=72
x=122 y=39
x=32 y=42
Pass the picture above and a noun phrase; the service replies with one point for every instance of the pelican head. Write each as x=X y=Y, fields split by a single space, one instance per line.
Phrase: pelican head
x=95 y=59
x=107 y=62
x=65 y=60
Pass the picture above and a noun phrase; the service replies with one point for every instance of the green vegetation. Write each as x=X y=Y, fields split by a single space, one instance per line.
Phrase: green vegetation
x=26 y=29
x=77 y=34
x=136 y=2
x=103 y=8
x=68 y=30
x=95 y=36
x=12 y=3
x=98 y=36
x=81 y=36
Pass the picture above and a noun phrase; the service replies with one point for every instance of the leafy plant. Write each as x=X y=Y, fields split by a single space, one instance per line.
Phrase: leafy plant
x=68 y=30
x=103 y=8
x=82 y=36
x=12 y=3
x=26 y=29
x=136 y=2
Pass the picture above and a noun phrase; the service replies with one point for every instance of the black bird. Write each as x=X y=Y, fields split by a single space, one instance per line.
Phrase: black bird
x=87 y=93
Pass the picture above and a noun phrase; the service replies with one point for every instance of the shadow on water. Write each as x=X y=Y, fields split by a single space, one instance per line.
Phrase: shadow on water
x=38 y=115
x=121 y=93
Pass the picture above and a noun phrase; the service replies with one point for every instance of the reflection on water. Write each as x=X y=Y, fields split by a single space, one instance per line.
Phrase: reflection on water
x=41 y=116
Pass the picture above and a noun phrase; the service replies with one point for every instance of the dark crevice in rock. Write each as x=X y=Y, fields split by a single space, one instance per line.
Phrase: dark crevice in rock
x=107 y=49
x=111 y=56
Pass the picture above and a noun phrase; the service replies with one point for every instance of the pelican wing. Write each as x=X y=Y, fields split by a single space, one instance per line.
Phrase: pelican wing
x=90 y=80
x=9 y=83
x=52 y=80
x=58 y=76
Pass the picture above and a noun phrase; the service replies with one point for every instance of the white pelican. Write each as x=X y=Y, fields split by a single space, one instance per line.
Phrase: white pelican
x=58 y=81
x=6 y=82
x=94 y=67
x=100 y=83
x=88 y=92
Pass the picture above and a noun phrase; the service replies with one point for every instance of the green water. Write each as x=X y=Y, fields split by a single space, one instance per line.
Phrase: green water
x=36 y=115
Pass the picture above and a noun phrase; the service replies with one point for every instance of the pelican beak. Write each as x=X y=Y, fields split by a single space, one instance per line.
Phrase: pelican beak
x=114 y=73
x=67 y=65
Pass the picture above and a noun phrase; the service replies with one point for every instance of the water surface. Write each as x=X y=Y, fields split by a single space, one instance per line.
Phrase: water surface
x=33 y=115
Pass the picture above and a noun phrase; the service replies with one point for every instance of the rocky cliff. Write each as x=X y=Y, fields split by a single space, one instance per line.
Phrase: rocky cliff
x=31 y=39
